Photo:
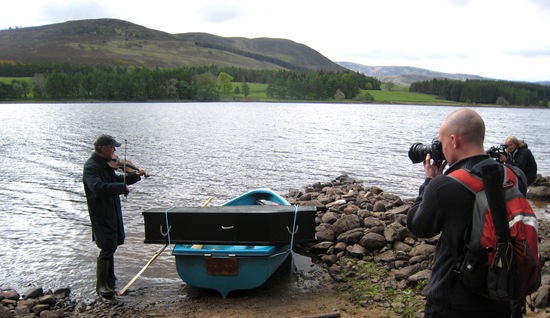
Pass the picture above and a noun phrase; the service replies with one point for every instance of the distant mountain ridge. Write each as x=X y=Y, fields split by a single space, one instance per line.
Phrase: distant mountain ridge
x=404 y=75
x=118 y=42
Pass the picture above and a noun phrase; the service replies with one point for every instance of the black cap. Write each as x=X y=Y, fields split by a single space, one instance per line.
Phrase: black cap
x=106 y=140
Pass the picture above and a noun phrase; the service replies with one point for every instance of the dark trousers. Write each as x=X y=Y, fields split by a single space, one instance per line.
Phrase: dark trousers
x=435 y=311
x=107 y=254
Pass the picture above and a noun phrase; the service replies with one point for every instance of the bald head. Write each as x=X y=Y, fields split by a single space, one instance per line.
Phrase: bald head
x=467 y=124
x=462 y=134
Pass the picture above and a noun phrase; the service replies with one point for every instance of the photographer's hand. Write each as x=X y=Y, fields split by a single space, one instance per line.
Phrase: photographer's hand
x=432 y=168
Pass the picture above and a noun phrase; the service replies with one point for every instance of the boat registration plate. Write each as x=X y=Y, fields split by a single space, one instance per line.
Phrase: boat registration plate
x=221 y=266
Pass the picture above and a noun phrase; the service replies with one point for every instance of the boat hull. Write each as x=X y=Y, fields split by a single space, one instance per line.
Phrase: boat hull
x=226 y=268
x=233 y=269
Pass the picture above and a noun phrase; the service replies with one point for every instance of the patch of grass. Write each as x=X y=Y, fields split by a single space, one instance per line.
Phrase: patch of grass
x=404 y=97
x=398 y=95
x=366 y=283
x=258 y=92
x=7 y=80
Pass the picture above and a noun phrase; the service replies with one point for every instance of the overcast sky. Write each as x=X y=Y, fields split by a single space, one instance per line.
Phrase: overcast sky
x=503 y=39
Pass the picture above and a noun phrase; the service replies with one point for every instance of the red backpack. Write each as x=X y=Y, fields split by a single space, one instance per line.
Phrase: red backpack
x=501 y=259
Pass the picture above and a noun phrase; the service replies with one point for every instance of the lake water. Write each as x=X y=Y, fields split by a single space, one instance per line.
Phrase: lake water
x=194 y=151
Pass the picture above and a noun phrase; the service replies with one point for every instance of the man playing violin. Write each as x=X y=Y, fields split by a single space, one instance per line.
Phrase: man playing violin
x=103 y=188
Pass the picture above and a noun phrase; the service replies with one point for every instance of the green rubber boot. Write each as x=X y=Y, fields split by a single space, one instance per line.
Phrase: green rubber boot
x=111 y=278
x=101 y=274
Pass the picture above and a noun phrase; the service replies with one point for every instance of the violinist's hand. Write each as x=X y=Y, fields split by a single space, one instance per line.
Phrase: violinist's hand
x=141 y=172
x=431 y=169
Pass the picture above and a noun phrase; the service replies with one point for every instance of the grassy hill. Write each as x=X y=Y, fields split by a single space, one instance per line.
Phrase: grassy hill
x=117 y=42
x=404 y=75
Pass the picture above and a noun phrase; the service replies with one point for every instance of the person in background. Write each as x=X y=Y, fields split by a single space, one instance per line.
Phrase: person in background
x=445 y=206
x=103 y=188
x=520 y=156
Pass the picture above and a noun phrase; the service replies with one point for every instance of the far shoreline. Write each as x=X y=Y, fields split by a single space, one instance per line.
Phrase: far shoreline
x=19 y=102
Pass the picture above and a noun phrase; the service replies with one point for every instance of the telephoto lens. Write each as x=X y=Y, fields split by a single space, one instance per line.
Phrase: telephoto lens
x=418 y=152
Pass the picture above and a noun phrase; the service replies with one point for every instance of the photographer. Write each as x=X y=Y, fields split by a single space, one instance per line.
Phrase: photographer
x=498 y=153
x=520 y=156
x=444 y=206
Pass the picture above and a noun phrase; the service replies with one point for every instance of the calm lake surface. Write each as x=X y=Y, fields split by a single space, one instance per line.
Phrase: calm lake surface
x=194 y=151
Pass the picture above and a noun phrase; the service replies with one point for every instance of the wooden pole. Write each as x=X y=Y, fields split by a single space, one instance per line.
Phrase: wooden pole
x=157 y=253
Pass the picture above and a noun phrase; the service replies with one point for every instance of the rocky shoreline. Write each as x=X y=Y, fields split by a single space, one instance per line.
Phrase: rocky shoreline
x=368 y=225
x=361 y=236
x=36 y=302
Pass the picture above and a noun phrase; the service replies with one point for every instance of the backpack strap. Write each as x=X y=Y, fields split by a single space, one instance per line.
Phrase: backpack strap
x=471 y=181
x=495 y=181
x=492 y=177
x=521 y=179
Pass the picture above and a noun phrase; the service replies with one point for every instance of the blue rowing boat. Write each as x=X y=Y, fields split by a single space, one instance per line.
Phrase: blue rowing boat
x=226 y=268
x=235 y=246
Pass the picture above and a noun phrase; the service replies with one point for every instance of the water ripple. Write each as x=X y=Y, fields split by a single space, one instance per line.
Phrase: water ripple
x=194 y=151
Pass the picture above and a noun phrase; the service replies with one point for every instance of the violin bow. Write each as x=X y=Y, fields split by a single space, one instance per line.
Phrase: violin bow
x=124 y=167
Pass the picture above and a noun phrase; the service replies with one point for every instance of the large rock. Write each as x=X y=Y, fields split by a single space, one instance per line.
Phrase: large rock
x=541 y=301
x=5 y=312
x=351 y=236
x=422 y=250
x=406 y=272
x=541 y=193
x=371 y=222
x=33 y=292
x=387 y=256
x=321 y=248
x=346 y=223
x=329 y=217
x=395 y=232
x=326 y=235
x=422 y=275
x=9 y=294
x=373 y=241
x=357 y=251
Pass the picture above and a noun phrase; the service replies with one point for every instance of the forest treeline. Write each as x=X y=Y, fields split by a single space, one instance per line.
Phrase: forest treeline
x=485 y=91
x=64 y=81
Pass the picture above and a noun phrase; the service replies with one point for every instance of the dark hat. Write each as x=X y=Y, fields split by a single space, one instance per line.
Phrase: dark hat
x=106 y=140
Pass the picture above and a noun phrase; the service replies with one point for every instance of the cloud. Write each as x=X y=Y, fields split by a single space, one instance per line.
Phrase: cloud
x=73 y=11
x=460 y=3
x=219 y=13
x=530 y=52
x=541 y=4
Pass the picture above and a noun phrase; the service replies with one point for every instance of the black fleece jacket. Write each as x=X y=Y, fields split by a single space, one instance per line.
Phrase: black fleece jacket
x=523 y=158
x=445 y=206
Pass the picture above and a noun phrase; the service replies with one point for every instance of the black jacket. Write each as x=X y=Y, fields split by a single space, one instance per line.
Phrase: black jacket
x=445 y=206
x=523 y=158
x=103 y=188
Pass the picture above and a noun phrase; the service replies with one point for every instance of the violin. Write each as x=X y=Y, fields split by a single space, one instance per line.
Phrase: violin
x=123 y=164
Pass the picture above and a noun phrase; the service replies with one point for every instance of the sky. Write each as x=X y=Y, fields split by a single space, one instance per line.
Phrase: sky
x=500 y=39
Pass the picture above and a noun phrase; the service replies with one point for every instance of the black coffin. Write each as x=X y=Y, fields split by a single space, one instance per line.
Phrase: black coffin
x=231 y=225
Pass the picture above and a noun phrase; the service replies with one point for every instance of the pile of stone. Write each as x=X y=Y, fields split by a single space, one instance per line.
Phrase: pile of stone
x=370 y=225
x=540 y=189
x=36 y=303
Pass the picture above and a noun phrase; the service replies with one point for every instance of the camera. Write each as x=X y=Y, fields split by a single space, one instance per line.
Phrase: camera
x=497 y=151
x=418 y=151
